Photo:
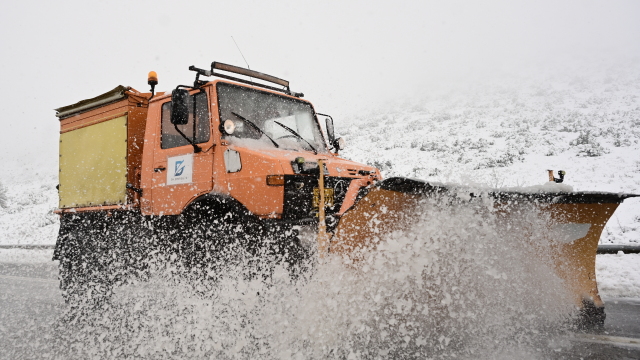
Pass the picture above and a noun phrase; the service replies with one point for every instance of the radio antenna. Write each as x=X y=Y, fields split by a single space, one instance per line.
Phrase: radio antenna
x=243 y=58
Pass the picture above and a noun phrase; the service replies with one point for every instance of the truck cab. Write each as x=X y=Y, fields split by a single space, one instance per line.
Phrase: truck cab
x=247 y=145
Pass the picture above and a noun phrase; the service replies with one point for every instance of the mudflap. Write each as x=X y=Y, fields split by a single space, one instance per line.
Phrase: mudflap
x=575 y=224
x=97 y=250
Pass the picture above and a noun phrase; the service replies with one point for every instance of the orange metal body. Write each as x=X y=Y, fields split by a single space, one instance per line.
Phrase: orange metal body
x=575 y=261
x=158 y=197
x=248 y=186
x=134 y=105
x=363 y=227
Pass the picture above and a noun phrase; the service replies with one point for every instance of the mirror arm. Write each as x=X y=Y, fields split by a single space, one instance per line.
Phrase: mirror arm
x=332 y=138
x=196 y=148
x=195 y=122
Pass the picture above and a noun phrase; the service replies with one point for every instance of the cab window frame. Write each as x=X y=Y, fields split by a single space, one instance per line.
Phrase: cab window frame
x=197 y=129
x=324 y=148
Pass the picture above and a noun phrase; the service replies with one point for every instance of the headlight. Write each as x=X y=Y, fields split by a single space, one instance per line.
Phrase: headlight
x=229 y=126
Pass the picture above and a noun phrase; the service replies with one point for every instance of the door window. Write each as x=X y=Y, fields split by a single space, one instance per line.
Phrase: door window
x=196 y=129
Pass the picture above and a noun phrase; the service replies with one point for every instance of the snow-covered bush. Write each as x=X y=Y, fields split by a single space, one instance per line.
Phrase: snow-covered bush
x=434 y=146
x=620 y=140
x=383 y=166
x=505 y=159
x=587 y=145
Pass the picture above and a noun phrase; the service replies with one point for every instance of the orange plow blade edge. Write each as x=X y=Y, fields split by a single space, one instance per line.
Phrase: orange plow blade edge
x=571 y=221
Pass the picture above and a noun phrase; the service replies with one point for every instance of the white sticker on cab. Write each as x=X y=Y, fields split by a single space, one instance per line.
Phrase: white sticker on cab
x=180 y=169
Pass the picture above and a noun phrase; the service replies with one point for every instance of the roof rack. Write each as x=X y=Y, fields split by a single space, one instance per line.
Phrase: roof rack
x=242 y=71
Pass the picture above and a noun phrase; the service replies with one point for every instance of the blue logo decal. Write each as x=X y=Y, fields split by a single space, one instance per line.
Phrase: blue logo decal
x=179 y=168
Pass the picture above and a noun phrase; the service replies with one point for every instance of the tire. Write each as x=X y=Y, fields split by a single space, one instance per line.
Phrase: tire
x=591 y=317
x=218 y=236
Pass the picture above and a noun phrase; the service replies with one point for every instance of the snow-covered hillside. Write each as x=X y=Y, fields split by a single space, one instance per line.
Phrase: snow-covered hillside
x=497 y=134
x=26 y=215
x=509 y=134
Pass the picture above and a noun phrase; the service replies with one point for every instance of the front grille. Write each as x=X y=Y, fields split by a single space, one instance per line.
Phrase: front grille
x=298 y=195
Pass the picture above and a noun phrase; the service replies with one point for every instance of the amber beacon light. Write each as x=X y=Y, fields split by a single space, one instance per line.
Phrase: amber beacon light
x=152 y=79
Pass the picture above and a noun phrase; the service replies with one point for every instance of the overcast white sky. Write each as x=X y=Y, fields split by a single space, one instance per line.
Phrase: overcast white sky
x=344 y=55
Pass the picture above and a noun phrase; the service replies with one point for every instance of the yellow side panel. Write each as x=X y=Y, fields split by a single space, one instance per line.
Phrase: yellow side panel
x=93 y=165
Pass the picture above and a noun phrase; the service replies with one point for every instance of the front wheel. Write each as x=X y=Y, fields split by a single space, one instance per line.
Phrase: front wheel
x=219 y=241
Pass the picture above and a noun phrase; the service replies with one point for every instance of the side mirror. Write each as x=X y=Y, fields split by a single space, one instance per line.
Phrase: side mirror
x=338 y=144
x=179 y=107
x=330 y=131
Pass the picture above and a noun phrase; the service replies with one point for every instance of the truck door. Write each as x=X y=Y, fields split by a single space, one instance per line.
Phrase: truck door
x=180 y=174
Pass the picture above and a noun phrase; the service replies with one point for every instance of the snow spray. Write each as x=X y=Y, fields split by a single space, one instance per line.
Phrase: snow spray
x=457 y=282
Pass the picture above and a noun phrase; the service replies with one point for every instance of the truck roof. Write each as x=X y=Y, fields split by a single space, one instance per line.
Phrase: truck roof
x=118 y=93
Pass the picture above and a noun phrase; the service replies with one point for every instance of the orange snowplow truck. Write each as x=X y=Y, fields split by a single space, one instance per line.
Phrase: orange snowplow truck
x=241 y=166
x=211 y=157
x=254 y=145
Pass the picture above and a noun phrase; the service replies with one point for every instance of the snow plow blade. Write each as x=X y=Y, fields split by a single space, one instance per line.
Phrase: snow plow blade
x=574 y=222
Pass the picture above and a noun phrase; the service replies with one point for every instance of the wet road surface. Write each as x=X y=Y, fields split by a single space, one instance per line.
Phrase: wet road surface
x=30 y=303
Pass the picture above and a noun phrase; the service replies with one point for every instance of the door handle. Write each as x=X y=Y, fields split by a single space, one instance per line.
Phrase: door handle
x=159 y=169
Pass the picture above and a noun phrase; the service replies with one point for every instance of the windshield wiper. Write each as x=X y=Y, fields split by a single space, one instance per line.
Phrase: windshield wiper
x=298 y=136
x=256 y=127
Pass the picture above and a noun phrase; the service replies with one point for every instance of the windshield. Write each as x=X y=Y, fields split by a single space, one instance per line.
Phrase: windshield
x=272 y=114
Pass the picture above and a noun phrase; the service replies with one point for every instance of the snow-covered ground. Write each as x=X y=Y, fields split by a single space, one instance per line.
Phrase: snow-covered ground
x=26 y=216
x=618 y=275
x=26 y=256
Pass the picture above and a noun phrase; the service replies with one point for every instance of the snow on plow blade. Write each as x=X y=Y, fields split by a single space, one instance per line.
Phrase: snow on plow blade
x=572 y=223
